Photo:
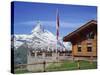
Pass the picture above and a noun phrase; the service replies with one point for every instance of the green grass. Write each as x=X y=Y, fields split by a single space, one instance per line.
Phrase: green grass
x=19 y=71
x=88 y=65
x=72 y=65
x=65 y=66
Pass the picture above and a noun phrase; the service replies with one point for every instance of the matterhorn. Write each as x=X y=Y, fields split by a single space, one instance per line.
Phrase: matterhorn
x=38 y=39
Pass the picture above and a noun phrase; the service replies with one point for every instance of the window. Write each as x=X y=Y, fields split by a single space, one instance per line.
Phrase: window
x=79 y=49
x=32 y=54
x=89 y=49
x=61 y=53
x=48 y=54
x=39 y=53
x=90 y=35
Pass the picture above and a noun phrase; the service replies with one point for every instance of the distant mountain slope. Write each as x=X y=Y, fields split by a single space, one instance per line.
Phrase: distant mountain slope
x=38 y=39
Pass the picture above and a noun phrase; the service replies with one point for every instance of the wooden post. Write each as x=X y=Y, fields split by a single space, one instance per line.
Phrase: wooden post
x=91 y=59
x=44 y=64
x=78 y=64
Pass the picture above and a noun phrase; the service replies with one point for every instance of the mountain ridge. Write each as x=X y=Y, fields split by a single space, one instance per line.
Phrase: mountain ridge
x=39 y=38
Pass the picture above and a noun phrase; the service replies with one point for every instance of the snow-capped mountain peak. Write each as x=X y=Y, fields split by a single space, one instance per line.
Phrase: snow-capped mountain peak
x=38 y=28
x=38 y=39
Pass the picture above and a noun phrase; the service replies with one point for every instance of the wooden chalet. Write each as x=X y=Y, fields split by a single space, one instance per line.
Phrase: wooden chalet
x=84 y=40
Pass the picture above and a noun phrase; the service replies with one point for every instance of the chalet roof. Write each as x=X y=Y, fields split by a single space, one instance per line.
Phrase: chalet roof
x=90 y=24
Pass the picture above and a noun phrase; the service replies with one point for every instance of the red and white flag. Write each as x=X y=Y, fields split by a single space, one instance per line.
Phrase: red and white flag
x=57 y=25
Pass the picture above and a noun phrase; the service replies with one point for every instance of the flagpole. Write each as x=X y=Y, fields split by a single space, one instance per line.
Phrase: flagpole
x=57 y=31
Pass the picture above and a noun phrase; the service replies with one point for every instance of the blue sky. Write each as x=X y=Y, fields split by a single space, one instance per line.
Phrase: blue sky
x=27 y=14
